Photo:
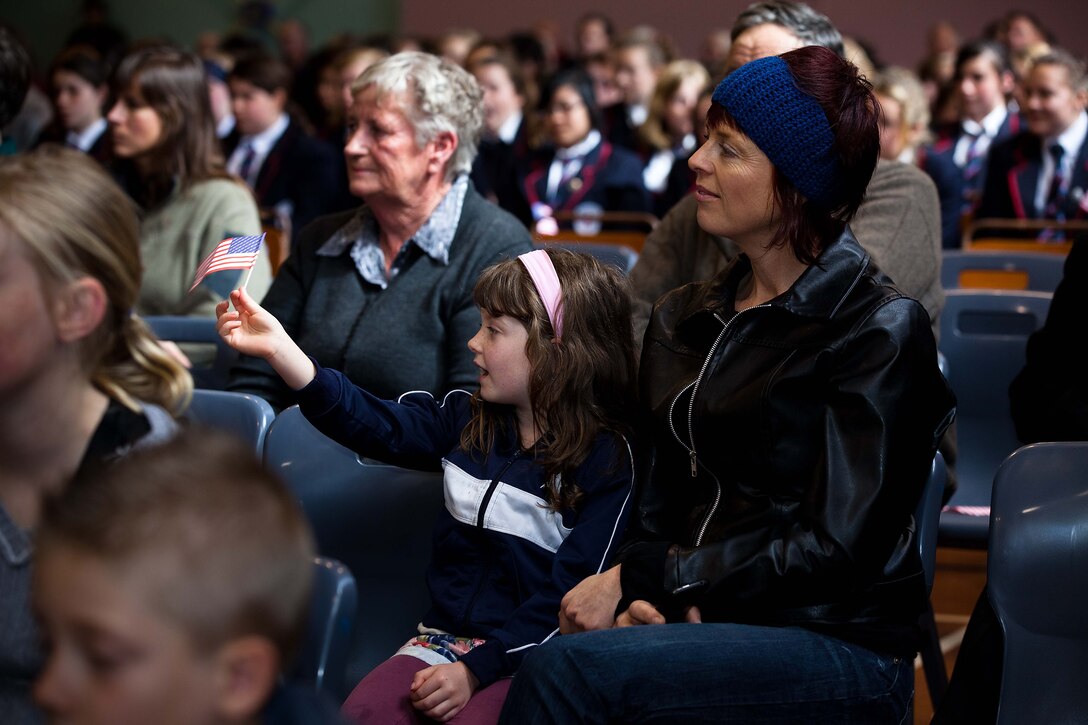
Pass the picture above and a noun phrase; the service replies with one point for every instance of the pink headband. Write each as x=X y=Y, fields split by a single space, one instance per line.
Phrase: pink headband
x=546 y=281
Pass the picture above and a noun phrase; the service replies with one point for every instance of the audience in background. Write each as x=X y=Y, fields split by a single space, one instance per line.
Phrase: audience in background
x=14 y=82
x=580 y=170
x=956 y=161
x=170 y=163
x=79 y=80
x=1042 y=172
x=502 y=163
x=904 y=118
x=669 y=133
x=638 y=62
x=287 y=169
x=82 y=380
x=593 y=36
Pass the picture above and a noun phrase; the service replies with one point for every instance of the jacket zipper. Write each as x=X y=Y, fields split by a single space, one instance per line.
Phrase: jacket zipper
x=485 y=573
x=491 y=490
x=691 y=425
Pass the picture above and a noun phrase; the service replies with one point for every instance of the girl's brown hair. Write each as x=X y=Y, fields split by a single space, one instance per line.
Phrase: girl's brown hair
x=581 y=385
x=173 y=83
x=76 y=222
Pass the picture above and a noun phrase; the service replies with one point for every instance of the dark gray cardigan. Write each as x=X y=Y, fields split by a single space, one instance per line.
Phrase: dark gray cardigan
x=411 y=335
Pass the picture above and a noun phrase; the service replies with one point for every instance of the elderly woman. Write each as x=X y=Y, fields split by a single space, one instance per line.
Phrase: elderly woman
x=384 y=293
x=795 y=404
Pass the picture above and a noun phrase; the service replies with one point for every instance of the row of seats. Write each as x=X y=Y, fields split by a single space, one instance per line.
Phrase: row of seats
x=371 y=518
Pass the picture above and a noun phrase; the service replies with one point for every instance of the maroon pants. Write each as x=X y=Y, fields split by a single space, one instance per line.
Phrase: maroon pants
x=382 y=697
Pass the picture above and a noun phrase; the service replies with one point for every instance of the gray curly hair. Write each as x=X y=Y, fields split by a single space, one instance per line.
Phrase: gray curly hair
x=442 y=97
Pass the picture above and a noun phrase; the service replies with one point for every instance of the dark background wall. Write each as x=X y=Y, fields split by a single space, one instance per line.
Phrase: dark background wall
x=896 y=29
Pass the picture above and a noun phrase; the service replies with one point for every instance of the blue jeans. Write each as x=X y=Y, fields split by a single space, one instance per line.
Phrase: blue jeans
x=696 y=673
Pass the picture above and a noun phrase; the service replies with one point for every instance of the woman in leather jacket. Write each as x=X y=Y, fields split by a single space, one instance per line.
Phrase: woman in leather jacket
x=795 y=405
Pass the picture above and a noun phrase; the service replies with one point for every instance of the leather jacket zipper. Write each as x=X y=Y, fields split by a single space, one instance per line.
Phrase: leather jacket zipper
x=691 y=415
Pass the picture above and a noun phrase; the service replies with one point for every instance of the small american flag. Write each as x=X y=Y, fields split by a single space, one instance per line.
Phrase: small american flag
x=233 y=253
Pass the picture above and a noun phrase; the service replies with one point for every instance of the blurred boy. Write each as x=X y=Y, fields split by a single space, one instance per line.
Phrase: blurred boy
x=956 y=161
x=172 y=588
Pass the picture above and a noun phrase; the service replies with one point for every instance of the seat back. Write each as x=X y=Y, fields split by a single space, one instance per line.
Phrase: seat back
x=625 y=228
x=211 y=367
x=1022 y=235
x=375 y=519
x=323 y=654
x=927 y=517
x=984 y=335
x=244 y=416
x=1037 y=584
x=617 y=255
x=1001 y=270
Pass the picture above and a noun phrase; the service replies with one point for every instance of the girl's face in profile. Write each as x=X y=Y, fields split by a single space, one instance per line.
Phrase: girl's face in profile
x=136 y=126
x=27 y=337
x=499 y=349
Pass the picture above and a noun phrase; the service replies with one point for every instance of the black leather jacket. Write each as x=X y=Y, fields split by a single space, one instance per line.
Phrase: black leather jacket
x=792 y=443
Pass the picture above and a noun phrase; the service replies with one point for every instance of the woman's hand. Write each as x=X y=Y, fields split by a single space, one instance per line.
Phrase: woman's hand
x=592 y=603
x=441 y=691
x=252 y=330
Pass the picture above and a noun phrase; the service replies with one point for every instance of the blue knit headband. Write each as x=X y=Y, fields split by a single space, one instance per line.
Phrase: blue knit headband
x=787 y=125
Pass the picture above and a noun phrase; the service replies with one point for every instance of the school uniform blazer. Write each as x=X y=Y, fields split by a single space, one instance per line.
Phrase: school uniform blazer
x=1012 y=180
x=937 y=161
x=610 y=176
x=499 y=173
x=502 y=559
x=299 y=169
x=617 y=127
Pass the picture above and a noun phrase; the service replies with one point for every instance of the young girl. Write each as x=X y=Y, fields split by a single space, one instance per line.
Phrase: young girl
x=82 y=380
x=538 y=471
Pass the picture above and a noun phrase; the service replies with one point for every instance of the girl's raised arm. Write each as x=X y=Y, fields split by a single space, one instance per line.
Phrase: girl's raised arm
x=251 y=330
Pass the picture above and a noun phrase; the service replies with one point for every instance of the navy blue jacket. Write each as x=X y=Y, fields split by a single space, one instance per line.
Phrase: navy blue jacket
x=1012 y=178
x=302 y=170
x=502 y=560
x=611 y=177
x=952 y=188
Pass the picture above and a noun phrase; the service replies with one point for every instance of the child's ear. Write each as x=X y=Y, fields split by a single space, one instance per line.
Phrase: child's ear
x=248 y=668
x=78 y=308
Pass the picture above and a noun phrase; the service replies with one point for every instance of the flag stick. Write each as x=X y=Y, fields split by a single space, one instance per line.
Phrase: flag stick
x=248 y=275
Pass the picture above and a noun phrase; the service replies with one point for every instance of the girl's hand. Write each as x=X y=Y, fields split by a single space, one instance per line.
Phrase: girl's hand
x=252 y=330
x=441 y=691
x=249 y=328
x=592 y=603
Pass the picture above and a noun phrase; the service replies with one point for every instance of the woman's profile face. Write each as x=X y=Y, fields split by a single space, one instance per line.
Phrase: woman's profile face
x=136 y=126
x=383 y=158
x=568 y=117
x=79 y=103
x=733 y=188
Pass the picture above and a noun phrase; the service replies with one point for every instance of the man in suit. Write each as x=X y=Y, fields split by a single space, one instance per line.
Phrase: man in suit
x=1042 y=172
x=287 y=169
x=956 y=161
